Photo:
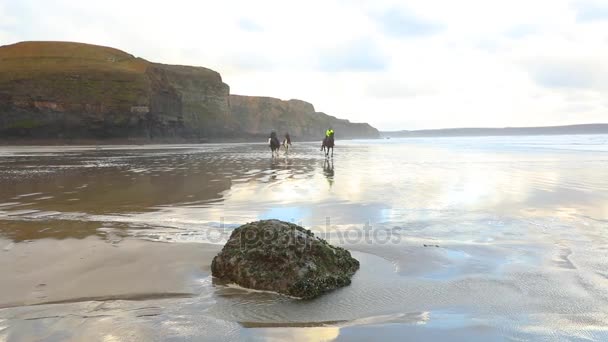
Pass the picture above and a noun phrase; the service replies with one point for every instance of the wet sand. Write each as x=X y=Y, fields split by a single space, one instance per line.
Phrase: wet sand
x=466 y=239
x=91 y=269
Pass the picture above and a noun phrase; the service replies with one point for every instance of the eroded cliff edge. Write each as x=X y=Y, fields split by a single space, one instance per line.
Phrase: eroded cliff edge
x=63 y=91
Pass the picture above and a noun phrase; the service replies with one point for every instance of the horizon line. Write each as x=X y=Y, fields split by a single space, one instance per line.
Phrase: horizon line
x=485 y=127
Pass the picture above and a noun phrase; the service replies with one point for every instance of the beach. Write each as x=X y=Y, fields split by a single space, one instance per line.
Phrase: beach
x=462 y=238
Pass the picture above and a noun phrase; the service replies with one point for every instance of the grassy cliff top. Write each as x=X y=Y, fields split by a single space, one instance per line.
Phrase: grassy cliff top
x=72 y=73
x=41 y=57
x=61 y=49
x=83 y=73
x=28 y=60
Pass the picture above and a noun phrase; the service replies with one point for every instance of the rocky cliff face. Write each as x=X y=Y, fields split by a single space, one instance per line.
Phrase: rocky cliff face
x=61 y=90
x=70 y=90
x=194 y=97
x=261 y=115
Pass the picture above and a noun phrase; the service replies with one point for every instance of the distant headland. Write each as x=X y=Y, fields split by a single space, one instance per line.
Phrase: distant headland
x=467 y=132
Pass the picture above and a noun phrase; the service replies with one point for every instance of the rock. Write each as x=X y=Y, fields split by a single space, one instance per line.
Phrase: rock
x=277 y=256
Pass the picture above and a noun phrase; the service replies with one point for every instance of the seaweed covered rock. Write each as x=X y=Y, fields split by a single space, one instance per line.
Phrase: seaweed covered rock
x=273 y=255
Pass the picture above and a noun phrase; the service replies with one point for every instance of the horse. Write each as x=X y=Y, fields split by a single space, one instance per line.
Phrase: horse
x=287 y=143
x=328 y=143
x=286 y=146
x=274 y=144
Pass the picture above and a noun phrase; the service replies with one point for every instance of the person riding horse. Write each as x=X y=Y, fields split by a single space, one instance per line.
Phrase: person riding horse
x=287 y=142
x=274 y=142
x=328 y=142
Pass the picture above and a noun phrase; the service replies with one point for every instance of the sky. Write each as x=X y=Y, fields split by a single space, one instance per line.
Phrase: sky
x=415 y=64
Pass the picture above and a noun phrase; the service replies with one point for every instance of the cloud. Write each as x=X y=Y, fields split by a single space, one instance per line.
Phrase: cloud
x=14 y=19
x=591 y=10
x=520 y=31
x=249 y=25
x=488 y=45
x=568 y=74
x=6 y=19
x=250 y=62
x=396 y=89
x=497 y=42
x=363 y=60
x=579 y=108
x=358 y=55
x=402 y=23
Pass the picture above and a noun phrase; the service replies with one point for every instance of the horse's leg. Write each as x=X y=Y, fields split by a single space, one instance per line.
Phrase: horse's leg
x=332 y=152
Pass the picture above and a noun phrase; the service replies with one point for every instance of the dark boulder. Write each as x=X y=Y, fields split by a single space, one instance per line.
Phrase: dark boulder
x=277 y=256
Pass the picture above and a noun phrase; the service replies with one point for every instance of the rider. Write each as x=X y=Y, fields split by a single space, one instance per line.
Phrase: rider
x=329 y=133
x=273 y=138
x=287 y=140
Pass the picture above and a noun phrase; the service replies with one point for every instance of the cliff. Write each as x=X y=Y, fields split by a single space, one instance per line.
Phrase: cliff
x=72 y=90
x=257 y=116
x=62 y=90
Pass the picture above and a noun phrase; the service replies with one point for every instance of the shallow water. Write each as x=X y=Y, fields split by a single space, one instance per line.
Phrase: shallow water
x=496 y=238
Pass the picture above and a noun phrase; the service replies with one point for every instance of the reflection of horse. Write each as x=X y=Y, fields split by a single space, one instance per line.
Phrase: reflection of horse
x=274 y=143
x=328 y=143
x=328 y=171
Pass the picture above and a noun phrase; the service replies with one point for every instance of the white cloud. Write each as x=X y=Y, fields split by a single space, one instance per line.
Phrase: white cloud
x=431 y=64
x=570 y=74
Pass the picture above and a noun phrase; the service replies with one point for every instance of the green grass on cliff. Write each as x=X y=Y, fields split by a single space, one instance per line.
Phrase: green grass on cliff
x=61 y=56
x=72 y=72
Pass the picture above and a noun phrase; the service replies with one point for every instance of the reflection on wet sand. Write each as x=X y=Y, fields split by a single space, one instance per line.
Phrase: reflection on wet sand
x=507 y=219
x=328 y=171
